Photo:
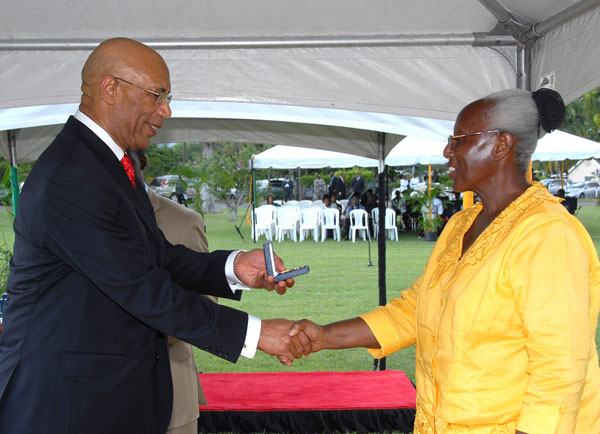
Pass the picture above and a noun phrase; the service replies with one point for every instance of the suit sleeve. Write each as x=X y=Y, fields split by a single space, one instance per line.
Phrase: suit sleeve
x=92 y=225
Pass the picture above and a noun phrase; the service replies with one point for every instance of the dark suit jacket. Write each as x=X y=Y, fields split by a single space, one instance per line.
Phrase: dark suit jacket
x=358 y=185
x=341 y=188
x=94 y=289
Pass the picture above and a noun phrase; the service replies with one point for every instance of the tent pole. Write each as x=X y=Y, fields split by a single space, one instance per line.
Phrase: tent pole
x=381 y=235
x=429 y=192
x=568 y=14
x=253 y=176
x=298 y=185
x=14 y=174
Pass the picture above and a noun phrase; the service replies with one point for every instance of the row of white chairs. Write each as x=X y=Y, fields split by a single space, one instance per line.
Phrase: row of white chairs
x=292 y=221
x=295 y=222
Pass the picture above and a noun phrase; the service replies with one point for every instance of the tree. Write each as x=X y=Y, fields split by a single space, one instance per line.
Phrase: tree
x=582 y=116
x=161 y=161
x=228 y=173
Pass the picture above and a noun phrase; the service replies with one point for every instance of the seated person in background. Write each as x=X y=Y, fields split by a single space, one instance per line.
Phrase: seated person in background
x=396 y=202
x=271 y=201
x=328 y=204
x=333 y=203
x=353 y=204
x=399 y=206
x=365 y=197
x=371 y=202
x=370 y=205
x=570 y=203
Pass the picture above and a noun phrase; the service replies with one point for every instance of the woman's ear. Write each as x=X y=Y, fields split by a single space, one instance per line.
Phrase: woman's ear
x=504 y=146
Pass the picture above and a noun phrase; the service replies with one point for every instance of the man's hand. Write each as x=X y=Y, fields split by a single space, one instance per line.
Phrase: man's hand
x=251 y=269
x=275 y=339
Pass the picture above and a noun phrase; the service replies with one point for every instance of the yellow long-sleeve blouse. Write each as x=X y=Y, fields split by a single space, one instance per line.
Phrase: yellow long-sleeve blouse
x=505 y=334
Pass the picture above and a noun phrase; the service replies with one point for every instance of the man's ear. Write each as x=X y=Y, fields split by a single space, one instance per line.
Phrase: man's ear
x=108 y=89
x=504 y=146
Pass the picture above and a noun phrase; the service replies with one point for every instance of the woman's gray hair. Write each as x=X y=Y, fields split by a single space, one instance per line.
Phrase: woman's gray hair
x=514 y=111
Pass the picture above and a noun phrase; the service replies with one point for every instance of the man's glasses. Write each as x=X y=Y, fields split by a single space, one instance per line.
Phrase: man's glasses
x=161 y=98
x=455 y=140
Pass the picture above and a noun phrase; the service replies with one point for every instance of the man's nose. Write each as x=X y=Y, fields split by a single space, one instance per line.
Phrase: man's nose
x=164 y=110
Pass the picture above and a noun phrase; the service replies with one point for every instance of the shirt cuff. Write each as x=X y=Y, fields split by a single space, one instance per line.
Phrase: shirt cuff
x=233 y=281
x=252 y=335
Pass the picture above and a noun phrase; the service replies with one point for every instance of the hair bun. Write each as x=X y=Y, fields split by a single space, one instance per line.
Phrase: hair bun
x=551 y=108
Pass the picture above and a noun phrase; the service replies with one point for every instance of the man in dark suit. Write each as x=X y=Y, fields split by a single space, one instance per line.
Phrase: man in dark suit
x=95 y=288
x=341 y=187
x=288 y=188
x=333 y=184
x=358 y=184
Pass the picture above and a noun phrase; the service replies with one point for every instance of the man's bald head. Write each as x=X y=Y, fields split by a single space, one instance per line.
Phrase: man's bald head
x=122 y=84
x=117 y=56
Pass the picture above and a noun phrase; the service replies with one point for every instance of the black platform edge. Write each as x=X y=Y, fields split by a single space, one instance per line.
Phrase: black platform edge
x=308 y=422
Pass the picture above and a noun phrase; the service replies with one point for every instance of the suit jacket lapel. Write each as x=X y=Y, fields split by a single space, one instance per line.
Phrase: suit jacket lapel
x=113 y=166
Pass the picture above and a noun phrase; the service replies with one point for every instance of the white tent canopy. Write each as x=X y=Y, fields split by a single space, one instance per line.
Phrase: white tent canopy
x=292 y=157
x=341 y=55
x=414 y=150
x=559 y=146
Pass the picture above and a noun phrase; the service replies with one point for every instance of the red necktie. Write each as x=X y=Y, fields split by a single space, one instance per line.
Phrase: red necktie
x=128 y=166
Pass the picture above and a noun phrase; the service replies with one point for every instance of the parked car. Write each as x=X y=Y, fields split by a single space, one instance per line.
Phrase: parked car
x=171 y=186
x=309 y=194
x=262 y=187
x=553 y=185
x=583 y=190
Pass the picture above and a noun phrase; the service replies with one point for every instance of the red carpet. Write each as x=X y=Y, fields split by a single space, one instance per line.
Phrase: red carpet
x=307 y=401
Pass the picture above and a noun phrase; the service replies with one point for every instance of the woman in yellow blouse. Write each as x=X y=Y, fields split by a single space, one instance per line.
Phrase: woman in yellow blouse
x=505 y=314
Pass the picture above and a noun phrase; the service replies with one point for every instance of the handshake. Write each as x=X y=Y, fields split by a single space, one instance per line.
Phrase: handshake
x=289 y=340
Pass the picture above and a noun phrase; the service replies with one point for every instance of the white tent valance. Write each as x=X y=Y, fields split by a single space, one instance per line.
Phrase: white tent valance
x=352 y=132
x=291 y=157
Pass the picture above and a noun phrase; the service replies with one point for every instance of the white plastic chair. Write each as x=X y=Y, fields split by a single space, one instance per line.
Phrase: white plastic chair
x=343 y=202
x=318 y=203
x=359 y=221
x=265 y=222
x=391 y=229
x=330 y=219
x=375 y=219
x=287 y=221
x=291 y=202
x=309 y=221
x=305 y=203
